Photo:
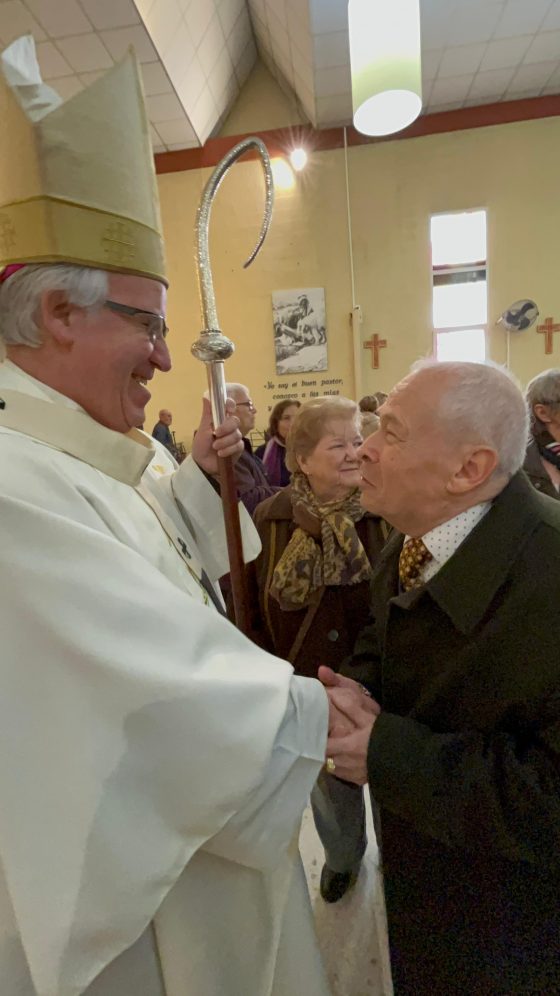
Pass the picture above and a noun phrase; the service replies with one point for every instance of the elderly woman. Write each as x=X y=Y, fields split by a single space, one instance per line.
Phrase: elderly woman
x=273 y=453
x=313 y=575
x=542 y=462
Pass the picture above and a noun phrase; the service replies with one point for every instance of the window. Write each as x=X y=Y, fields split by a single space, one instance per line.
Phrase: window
x=460 y=307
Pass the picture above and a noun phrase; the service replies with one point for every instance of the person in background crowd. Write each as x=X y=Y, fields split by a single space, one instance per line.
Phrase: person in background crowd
x=162 y=432
x=273 y=452
x=461 y=740
x=252 y=482
x=368 y=408
x=542 y=462
x=313 y=576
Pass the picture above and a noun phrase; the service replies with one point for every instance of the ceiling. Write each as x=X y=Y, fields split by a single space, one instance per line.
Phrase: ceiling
x=195 y=55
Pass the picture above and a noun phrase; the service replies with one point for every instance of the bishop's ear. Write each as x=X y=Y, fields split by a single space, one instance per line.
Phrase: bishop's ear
x=58 y=316
x=477 y=467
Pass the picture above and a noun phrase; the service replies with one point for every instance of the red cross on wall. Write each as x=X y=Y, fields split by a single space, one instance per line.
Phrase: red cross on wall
x=375 y=344
x=548 y=329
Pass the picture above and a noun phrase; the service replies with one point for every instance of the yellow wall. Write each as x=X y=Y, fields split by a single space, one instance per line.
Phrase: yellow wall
x=512 y=170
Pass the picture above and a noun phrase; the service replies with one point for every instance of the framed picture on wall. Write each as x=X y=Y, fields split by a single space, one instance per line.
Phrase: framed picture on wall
x=300 y=330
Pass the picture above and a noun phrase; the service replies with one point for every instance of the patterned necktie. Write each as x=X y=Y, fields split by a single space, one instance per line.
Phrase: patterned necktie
x=414 y=555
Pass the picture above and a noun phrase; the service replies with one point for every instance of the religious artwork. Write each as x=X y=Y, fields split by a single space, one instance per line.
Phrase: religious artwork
x=300 y=333
x=548 y=330
x=375 y=344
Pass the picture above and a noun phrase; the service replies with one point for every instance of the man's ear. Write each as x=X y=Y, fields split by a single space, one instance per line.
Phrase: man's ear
x=542 y=413
x=478 y=465
x=57 y=316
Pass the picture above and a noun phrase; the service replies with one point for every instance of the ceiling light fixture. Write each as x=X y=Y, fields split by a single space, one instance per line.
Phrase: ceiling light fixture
x=298 y=159
x=385 y=64
x=283 y=174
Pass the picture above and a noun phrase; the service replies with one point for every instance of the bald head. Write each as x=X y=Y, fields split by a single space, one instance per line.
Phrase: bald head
x=451 y=436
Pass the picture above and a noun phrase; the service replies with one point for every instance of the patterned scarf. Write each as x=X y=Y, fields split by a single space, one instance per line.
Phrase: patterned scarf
x=324 y=549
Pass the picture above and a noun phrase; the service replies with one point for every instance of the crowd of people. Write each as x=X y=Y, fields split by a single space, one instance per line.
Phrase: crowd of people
x=155 y=761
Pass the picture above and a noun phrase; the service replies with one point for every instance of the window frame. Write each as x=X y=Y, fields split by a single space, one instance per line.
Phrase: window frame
x=451 y=268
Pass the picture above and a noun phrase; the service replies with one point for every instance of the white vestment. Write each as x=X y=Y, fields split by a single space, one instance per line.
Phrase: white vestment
x=154 y=763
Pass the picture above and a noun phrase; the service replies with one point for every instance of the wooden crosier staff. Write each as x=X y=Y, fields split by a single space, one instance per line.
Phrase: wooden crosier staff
x=213 y=348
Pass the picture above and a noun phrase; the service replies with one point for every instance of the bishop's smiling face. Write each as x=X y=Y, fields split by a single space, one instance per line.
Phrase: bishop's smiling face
x=113 y=356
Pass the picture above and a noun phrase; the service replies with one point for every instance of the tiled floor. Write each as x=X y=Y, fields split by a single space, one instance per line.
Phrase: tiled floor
x=352 y=933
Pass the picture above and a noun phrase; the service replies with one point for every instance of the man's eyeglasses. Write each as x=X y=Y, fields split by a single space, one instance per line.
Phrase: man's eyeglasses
x=246 y=404
x=154 y=324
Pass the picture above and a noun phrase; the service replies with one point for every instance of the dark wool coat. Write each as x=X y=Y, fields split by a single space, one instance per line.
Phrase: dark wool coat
x=342 y=610
x=464 y=760
x=251 y=481
x=536 y=473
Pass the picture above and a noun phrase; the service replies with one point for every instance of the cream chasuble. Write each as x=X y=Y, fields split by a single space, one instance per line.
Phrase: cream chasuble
x=154 y=763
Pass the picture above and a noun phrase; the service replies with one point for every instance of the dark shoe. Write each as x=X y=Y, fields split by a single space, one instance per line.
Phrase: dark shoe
x=334 y=885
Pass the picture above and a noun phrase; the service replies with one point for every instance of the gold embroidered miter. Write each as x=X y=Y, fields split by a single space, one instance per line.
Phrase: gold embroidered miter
x=77 y=180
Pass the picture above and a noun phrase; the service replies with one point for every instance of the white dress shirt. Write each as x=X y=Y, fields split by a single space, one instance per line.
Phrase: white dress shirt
x=445 y=539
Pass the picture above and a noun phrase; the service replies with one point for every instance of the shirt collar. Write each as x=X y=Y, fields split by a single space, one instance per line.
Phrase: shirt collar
x=445 y=539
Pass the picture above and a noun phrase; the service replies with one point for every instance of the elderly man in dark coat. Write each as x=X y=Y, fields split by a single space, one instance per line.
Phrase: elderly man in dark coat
x=460 y=741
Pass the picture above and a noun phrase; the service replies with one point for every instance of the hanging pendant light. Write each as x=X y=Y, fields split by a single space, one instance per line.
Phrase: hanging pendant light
x=385 y=64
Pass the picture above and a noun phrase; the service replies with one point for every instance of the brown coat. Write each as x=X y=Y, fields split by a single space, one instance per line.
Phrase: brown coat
x=324 y=633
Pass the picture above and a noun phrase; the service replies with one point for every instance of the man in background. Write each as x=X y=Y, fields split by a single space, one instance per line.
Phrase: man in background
x=542 y=462
x=253 y=485
x=162 y=432
x=460 y=741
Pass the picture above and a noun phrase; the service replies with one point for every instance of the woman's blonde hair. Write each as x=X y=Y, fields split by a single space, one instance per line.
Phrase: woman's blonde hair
x=312 y=422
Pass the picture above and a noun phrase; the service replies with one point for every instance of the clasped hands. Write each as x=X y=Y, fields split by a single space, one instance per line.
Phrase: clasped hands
x=352 y=714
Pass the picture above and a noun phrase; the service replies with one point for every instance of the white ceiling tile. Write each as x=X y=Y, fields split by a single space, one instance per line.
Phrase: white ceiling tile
x=64 y=17
x=442 y=108
x=436 y=23
x=203 y=113
x=228 y=96
x=88 y=78
x=329 y=82
x=286 y=68
x=473 y=22
x=154 y=134
x=192 y=83
x=228 y=12
x=523 y=94
x=105 y=14
x=544 y=48
x=278 y=33
x=304 y=68
x=430 y=63
x=66 y=86
x=220 y=76
x=172 y=147
x=328 y=15
x=552 y=19
x=246 y=62
x=211 y=45
x=51 y=62
x=177 y=131
x=16 y=20
x=307 y=101
x=164 y=107
x=521 y=17
x=505 y=52
x=460 y=60
x=298 y=15
x=155 y=79
x=491 y=84
x=554 y=79
x=178 y=54
x=550 y=90
x=85 y=53
x=450 y=90
x=118 y=41
x=239 y=35
x=334 y=110
x=163 y=22
x=531 y=77
x=278 y=7
x=331 y=49
x=480 y=101
x=198 y=16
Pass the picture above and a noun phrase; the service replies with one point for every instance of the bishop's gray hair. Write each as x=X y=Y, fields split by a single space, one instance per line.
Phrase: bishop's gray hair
x=483 y=403
x=20 y=297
